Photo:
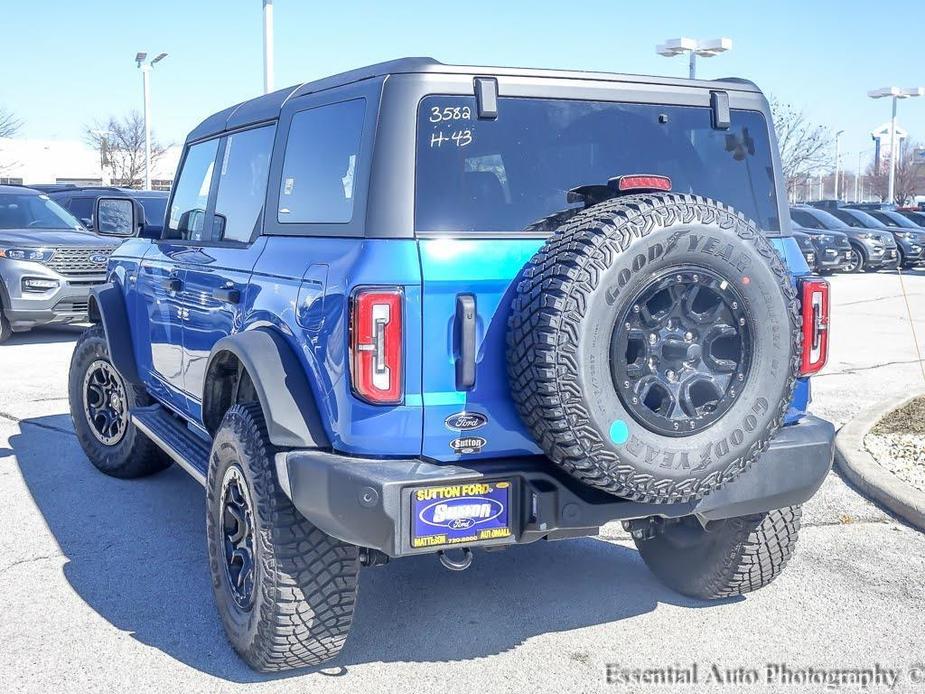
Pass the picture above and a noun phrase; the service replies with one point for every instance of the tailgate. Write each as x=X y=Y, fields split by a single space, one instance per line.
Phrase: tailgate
x=478 y=421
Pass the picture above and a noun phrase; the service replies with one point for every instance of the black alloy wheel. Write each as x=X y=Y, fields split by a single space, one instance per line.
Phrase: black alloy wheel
x=681 y=351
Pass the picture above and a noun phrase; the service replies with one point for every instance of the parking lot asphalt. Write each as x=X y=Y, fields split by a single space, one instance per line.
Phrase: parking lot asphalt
x=104 y=584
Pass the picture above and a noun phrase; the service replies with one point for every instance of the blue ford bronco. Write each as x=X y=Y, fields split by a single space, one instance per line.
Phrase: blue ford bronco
x=419 y=308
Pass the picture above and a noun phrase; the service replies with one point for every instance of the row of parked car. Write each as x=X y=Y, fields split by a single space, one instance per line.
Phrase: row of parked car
x=836 y=238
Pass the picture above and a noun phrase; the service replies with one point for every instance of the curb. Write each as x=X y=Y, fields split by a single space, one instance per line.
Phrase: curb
x=866 y=474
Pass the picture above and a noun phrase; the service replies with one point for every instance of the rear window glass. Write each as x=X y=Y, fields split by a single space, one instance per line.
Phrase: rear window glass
x=513 y=173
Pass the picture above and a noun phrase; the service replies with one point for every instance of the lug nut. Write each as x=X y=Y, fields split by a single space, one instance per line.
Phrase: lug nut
x=653 y=338
x=688 y=336
x=670 y=375
x=636 y=308
x=741 y=321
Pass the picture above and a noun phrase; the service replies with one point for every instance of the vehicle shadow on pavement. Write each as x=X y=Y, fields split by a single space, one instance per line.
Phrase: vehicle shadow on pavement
x=136 y=554
x=58 y=333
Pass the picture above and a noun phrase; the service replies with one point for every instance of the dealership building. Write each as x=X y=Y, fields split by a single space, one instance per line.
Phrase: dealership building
x=28 y=161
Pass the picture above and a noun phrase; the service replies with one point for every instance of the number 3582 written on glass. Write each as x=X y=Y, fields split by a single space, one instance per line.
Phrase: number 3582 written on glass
x=439 y=115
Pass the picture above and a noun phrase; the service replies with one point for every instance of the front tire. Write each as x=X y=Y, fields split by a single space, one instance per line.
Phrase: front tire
x=729 y=558
x=101 y=403
x=285 y=590
x=855 y=262
x=5 y=330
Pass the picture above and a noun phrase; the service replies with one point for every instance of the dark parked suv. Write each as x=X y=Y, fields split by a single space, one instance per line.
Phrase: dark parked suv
x=80 y=201
x=428 y=309
x=831 y=249
x=909 y=247
x=871 y=249
x=910 y=237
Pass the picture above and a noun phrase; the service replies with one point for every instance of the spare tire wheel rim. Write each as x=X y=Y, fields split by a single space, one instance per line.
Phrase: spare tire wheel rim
x=681 y=351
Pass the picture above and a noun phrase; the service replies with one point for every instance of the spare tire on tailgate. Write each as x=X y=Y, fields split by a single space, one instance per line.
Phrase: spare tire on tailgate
x=653 y=346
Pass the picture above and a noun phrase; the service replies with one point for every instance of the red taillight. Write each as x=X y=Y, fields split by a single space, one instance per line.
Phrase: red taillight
x=643 y=182
x=376 y=345
x=815 y=297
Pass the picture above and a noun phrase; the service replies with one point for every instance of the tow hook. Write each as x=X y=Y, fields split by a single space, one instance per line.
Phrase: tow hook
x=643 y=528
x=453 y=564
x=373 y=557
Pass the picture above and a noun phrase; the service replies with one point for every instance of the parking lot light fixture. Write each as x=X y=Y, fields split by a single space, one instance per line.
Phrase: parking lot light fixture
x=894 y=93
x=693 y=47
x=146 y=67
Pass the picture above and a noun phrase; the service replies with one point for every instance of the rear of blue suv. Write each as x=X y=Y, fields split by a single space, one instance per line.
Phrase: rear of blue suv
x=419 y=308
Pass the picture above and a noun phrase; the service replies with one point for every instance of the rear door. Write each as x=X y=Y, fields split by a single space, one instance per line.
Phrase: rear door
x=218 y=270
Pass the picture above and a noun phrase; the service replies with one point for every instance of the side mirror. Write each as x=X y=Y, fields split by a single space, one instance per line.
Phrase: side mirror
x=116 y=217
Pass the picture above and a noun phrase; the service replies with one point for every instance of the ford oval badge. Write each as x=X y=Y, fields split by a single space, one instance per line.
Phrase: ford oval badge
x=98 y=258
x=465 y=421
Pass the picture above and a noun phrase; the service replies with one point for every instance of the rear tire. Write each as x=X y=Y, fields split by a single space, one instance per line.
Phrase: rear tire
x=115 y=446
x=732 y=557
x=285 y=590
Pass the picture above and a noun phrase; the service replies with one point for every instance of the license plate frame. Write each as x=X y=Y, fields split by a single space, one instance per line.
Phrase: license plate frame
x=459 y=514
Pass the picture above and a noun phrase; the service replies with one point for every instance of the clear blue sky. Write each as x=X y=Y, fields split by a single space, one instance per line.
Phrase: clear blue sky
x=64 y=63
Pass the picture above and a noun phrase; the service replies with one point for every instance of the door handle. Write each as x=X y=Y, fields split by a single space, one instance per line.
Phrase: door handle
x=229 y=295
x=465 y=341
x=173 y=284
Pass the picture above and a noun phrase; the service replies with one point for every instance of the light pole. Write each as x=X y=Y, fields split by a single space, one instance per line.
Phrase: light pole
x=146 y=67
x=895 y=93
x=267 y=46
x=857 y=179
x=837 y=161
x=705 y=49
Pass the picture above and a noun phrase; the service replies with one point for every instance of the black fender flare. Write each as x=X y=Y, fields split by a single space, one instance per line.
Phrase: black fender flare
x=281 y=384
x=107 y=305
x=860 y=248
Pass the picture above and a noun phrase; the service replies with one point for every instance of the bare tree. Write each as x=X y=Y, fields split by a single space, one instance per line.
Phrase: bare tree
x=121 y=143
x=9 y=126
x=804 y=145
x=905 y=181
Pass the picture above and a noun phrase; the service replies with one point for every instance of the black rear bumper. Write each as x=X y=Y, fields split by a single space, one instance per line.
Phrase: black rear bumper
x=367 y=502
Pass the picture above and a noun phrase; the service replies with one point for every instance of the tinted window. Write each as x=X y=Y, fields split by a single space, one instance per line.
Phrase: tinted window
x=82 y=208
x=188 y=211
x=155 y=209
x=514 y=172
x=242 y=184
x=893 y=219
x=857 y=219
x=805 y=219
x=321 y=160
x=34 y=212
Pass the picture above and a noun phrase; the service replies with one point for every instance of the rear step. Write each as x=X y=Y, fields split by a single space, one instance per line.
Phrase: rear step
x=172 y=436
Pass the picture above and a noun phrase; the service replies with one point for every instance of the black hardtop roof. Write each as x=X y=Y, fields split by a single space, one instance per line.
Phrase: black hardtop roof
x=268 y=106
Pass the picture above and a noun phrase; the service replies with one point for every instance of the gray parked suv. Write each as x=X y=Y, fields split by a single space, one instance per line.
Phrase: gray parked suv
x=48 y=262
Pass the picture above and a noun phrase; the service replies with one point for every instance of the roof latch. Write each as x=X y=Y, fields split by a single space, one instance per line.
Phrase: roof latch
x=486 y=97
x=719 y=104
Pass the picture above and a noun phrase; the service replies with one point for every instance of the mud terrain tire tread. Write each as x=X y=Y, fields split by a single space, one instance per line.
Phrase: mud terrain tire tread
x=746 y=554
x=135 y=455
x=307 y=580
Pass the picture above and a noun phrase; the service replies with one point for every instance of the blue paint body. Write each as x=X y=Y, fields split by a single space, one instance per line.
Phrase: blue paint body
x=299 y=287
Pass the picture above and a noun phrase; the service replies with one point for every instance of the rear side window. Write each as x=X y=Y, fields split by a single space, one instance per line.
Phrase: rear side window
x=805 y=219
x=514 y=172
x=317 y=184
x=82 y=208
x=191 y=195
x=242 y=184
